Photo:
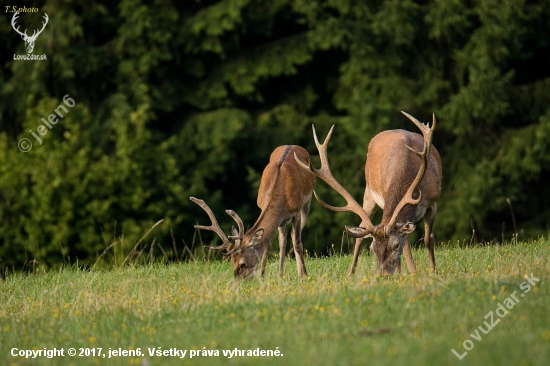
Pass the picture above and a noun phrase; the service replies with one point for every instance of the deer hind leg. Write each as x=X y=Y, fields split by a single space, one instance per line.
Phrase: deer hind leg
x=429 y=241
x=369 y=205
x=282 y=249
x=297 y=244
x=304 y=214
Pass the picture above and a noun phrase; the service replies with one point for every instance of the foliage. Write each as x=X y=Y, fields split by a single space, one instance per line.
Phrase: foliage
x=178 y=99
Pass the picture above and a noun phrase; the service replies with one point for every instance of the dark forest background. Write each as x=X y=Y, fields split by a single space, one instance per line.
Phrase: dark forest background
x=188 y=98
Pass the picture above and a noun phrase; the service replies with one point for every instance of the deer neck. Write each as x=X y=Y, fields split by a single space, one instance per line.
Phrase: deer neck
x=269 y=220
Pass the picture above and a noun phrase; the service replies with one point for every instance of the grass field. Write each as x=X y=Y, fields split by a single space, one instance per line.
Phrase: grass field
x=326 y=319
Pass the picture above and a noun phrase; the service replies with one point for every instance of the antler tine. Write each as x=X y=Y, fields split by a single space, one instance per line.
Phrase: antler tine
x=214 y=227
x=323 y=147
x=422 y=126
x=408 y=199
x=330 y=207
x=326 y=175
x=240 y=224
x=231 y=252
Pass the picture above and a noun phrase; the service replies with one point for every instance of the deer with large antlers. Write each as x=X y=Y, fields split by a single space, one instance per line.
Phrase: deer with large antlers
x=284 y=197
x=29 y=40
x=403 y=175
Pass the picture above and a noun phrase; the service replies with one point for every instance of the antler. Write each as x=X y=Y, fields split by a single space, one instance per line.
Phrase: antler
x=408 y=199
x=325 y=174
x=217 y=229
x=17 y=29
x=236 y=217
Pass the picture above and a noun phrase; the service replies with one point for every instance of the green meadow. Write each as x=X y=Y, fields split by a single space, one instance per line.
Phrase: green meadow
x=325 y=319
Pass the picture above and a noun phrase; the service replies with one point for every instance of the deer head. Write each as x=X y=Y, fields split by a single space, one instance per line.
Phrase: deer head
x=387 y=246
x=244 y=253
x=246 y=257
x=388 y=239
x=29 y=40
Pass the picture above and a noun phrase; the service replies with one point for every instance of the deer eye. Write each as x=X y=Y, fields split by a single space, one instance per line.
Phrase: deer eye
x=242 y=265
x=394 y=245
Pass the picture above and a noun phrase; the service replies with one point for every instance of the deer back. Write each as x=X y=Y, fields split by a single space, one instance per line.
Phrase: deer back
x=284 y=184
x=391 y=168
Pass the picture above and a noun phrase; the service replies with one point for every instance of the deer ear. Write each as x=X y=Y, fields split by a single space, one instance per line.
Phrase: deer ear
x=258 y=235
x=234 y=231
x=407 y=228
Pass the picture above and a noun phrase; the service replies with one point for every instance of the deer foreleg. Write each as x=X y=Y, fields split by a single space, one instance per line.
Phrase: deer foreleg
x=369 y=205
x=298 y=248
x=429 y=241
x=264 y=258
x=408 y=257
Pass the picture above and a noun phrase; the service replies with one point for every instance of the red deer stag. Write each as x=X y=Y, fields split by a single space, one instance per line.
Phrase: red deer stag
x=284 y=197
x=393 y=172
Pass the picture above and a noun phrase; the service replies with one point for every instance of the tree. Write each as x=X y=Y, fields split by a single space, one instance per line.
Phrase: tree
x=189 y=99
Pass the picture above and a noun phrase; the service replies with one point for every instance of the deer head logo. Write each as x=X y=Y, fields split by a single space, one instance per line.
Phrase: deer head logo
x=29 y=41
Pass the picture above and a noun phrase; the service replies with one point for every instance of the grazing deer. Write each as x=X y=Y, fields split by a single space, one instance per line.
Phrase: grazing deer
x=394 y=170
x=284 y=197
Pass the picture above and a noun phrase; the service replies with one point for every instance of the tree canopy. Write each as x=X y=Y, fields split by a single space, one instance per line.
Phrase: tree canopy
x=177 y=99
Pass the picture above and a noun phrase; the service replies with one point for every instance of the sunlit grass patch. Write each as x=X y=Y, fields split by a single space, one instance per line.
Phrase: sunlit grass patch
x=326 y=318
